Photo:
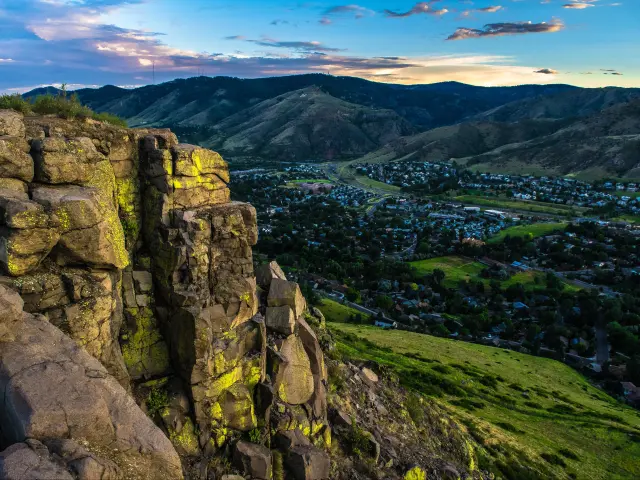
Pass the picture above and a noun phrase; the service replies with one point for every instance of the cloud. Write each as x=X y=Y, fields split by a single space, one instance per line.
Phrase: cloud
x=325 y=21
x=490 y=9
x=419 y=8
x=547 y=71
x=58 y=43
x=356 y=10
x=578 y=5
x=509 y=28
x=302 y=46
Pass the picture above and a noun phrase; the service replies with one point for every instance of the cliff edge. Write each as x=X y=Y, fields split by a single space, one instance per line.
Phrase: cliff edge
x=128 y=274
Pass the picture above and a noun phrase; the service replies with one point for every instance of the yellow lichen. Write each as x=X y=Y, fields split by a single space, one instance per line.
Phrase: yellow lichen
x=416 y=473
x=186 y=438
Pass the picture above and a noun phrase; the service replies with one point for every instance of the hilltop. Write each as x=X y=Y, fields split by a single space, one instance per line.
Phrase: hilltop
x=318 y=117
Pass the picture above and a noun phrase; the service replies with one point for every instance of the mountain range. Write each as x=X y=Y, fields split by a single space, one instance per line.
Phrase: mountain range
x=559 y=129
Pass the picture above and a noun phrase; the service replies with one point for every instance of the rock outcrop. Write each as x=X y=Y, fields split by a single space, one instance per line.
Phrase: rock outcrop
x=128 y=287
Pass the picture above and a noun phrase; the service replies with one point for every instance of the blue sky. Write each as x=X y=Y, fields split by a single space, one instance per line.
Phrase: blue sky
x=483 y=42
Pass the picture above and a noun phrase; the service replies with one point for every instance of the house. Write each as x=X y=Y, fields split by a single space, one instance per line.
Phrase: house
x=386 y=325
x=629 y=388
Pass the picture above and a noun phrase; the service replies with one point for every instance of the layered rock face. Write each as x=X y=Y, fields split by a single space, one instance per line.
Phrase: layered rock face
x=128 y=273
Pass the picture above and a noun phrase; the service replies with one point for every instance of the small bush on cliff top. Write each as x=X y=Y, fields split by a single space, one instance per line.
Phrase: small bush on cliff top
x=61 y=105
x=157 y=401
x=15 y=102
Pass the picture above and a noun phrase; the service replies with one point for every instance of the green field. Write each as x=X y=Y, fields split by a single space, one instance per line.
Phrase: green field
x=627 y=218
x=456 y=268
x=368 y=182
x=460 y=268
x=336 y=312
x=626 y=194
x=536 y=230
x=534 y=207
x=519 y=408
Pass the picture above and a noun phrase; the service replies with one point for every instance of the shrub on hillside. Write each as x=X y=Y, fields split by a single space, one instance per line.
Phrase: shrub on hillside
x=62 y=105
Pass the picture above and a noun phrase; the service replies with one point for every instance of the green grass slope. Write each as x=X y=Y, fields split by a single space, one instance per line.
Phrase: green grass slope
x=532 y=418
x=536 y=230
x=459 y=269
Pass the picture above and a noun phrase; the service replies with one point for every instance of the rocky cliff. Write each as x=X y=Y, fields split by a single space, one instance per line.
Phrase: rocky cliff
x=128 y=294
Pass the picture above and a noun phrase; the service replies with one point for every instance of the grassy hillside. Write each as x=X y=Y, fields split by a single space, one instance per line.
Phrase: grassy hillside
x=522 y=410
x=536 y=230
x=459 y=268
x=336 y=312
x=456 y=268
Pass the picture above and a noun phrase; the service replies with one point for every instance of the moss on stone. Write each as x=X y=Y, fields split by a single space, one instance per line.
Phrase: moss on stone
x=129 y=208
x=143 y=349
x=416 y=473
x=104 y=180
x=186 y=439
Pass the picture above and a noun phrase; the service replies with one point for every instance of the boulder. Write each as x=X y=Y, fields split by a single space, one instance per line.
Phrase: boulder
x=84 y=464
x=15 y=161
x=22 y=250
x=22 y=461
x=15 y=186
x=369 y=375
x=280 y=319
x=253 y=459
x=143 y=281
x=193 y=161
x=313 y=349
x=286 y=440
x=91 y=233
x=237 y=408
x=267 y=272
x=58 y=160
x=16 y=211
x=308 y=463
x=89 y=405
x=11 y=123
x=27 y=233
x=282 y=292
x=293 y=377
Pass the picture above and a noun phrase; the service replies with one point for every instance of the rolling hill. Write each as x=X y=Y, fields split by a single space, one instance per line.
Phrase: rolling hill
x=607 y=142
x=567 y=104
x=307 y=124
x=462 y=140
x=559 y=129
x=203 y=101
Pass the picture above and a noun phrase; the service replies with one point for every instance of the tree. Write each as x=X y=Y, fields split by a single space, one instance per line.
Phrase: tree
x=438 y=276
x=633 y=369
x=384 y=302
x=353 y=295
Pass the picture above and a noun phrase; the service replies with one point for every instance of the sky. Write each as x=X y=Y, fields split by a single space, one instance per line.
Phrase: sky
x=590 y=43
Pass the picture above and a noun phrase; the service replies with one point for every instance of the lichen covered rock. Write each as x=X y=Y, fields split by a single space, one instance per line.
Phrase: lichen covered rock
x=89 y=404
x=137 y=274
